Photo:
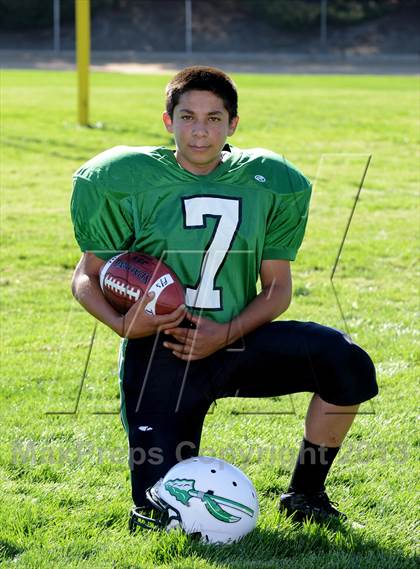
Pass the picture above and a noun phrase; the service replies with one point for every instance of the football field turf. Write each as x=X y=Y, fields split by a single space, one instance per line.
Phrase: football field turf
x=64 y=482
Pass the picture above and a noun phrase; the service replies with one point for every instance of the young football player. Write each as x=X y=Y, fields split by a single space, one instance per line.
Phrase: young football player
x=221 y=218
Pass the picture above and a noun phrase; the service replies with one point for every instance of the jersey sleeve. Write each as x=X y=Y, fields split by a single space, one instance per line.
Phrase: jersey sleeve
x=287 y=223
x=103 y=221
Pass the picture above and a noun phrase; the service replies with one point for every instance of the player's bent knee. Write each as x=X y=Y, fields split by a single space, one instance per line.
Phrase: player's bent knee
x=349 y=373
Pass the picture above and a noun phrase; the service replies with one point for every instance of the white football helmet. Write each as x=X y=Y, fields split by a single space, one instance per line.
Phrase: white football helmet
x=206 y=497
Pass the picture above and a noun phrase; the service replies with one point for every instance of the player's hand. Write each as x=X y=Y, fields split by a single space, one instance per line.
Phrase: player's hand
x=207 y=338
x=137 y=323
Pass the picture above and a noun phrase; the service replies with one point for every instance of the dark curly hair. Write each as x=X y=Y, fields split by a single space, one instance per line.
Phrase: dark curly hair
x=201 y=78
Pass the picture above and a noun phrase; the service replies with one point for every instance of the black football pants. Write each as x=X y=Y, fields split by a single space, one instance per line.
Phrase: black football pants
x=164 y=400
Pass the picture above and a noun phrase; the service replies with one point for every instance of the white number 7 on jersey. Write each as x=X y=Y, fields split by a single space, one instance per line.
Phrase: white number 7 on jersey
x=228 y=213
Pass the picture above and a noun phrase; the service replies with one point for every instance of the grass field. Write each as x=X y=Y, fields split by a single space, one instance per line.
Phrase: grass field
x=64 y=482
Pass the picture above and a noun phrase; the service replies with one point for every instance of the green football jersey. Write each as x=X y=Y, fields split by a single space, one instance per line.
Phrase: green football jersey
x=213 y=230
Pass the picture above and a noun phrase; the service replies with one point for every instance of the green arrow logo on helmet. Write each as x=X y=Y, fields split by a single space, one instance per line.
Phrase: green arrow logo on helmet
x=183 y=490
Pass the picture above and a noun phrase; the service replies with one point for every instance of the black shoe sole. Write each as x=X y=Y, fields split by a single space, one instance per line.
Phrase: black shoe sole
x=301 y=517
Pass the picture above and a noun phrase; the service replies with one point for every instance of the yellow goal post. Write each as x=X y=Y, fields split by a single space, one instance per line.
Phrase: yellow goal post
x=83 y=59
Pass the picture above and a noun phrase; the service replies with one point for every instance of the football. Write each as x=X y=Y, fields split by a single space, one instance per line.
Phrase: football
x=127 y=277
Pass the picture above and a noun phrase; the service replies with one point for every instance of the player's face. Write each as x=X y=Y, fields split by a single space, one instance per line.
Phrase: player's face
x=200 y=125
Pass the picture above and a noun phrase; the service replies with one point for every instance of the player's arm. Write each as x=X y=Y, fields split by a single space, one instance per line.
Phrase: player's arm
x=209 y=336
x=136 y=323
x=273 y=300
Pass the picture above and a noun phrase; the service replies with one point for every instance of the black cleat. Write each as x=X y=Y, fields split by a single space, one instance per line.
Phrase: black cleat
x=302 y=507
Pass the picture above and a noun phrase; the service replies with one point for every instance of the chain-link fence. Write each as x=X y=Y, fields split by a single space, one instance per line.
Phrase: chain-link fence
x=215 y=25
